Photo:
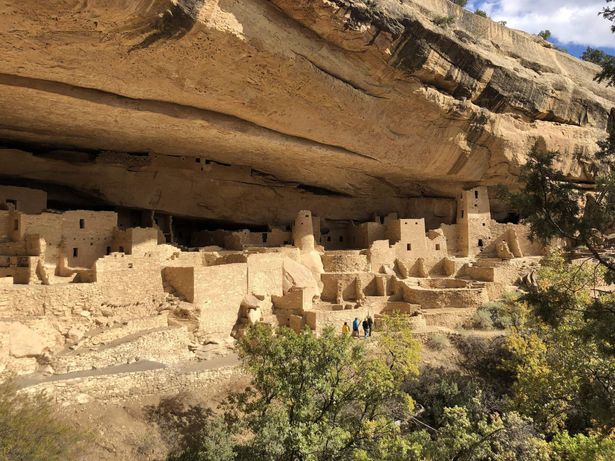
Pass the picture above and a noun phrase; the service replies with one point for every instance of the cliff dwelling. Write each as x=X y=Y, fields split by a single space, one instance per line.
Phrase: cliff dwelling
x=173 y=172
x=310 y=272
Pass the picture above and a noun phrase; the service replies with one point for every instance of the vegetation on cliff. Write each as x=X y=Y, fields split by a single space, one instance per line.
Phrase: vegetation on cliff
x=31 y=430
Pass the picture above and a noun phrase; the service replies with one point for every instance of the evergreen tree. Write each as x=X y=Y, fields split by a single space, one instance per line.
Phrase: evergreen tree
x=608 y=64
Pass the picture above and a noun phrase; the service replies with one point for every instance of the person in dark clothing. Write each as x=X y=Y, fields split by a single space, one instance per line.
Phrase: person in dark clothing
x=365 y=328
x=355 y=327
x=370 y=324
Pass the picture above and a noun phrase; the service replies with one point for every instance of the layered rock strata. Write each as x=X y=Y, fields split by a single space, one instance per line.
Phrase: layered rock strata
x=347 y=105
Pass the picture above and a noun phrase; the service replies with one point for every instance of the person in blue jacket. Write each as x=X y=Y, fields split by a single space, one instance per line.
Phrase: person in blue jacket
x=355 y=327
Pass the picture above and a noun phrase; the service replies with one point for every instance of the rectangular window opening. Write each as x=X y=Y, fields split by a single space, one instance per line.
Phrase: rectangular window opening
x=108 y=250
x=341 y=238
x=264 y=237
x=462 y=213
x=437 y=247
x=475 y=194
x=409 y=247
x=82 y=224
x=75 y=252
x=480 y=243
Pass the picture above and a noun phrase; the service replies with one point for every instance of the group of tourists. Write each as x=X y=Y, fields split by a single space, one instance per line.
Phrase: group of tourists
x=367 y=324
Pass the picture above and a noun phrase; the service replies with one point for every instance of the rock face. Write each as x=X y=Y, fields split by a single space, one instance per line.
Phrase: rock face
x=248 y=110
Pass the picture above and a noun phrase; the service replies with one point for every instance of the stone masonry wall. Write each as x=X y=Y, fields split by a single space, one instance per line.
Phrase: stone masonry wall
x=60 y=300
x=128 y=279
x=218 y=292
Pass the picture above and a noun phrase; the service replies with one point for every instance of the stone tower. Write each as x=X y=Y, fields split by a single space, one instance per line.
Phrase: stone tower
x=473 y=221
x=303 y=232
x=303 y=238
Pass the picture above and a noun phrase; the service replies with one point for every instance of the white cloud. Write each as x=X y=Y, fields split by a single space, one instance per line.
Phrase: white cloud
x=570 y=21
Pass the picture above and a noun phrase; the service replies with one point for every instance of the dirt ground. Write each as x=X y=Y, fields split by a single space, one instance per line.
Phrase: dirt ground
x=135 y=429
x=129 y=431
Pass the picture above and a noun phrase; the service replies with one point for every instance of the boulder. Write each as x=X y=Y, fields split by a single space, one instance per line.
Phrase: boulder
x=22 y=340
x=295 y=274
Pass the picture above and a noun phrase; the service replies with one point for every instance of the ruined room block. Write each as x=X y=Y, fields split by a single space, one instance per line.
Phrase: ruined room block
x=126 y=279
x=24 y=199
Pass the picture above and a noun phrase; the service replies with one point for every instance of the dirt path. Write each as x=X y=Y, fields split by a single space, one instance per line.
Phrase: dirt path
x=141 y=365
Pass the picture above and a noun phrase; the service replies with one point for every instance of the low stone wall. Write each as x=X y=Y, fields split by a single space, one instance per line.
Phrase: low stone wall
x=345 y=261
x=130 y=327
x=433 y=298
x=58 y=300
x=119 y=387
x=167 y=346
x=317 y=320
x=485 y=274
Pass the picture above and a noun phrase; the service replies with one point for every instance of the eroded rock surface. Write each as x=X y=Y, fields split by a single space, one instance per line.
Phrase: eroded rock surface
x=247 y=110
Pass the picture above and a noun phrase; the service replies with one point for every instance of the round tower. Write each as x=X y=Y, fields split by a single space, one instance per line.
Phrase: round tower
x=303 y=231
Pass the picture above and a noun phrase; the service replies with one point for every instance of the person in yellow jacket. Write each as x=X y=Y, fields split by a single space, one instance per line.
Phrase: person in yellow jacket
x=345 y=329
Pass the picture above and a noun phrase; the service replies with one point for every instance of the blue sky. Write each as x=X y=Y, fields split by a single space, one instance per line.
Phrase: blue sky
x=574 y=24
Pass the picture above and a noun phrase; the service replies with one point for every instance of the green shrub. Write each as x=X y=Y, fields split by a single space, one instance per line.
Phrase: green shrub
x=311 y=397
x=30 y=429
x=502 y=314
x=482 y=319
x=480 y=12
x=581 y=447
x=438 y=342
x=461 y=3
x=444 y=21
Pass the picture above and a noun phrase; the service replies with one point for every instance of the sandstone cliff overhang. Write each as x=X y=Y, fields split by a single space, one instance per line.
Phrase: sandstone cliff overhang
x=247 y=110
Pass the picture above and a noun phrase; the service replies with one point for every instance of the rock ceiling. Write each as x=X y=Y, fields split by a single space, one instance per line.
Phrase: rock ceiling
x=248 y=110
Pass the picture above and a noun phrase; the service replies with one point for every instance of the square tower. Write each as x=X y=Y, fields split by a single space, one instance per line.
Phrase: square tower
x=473 y=219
